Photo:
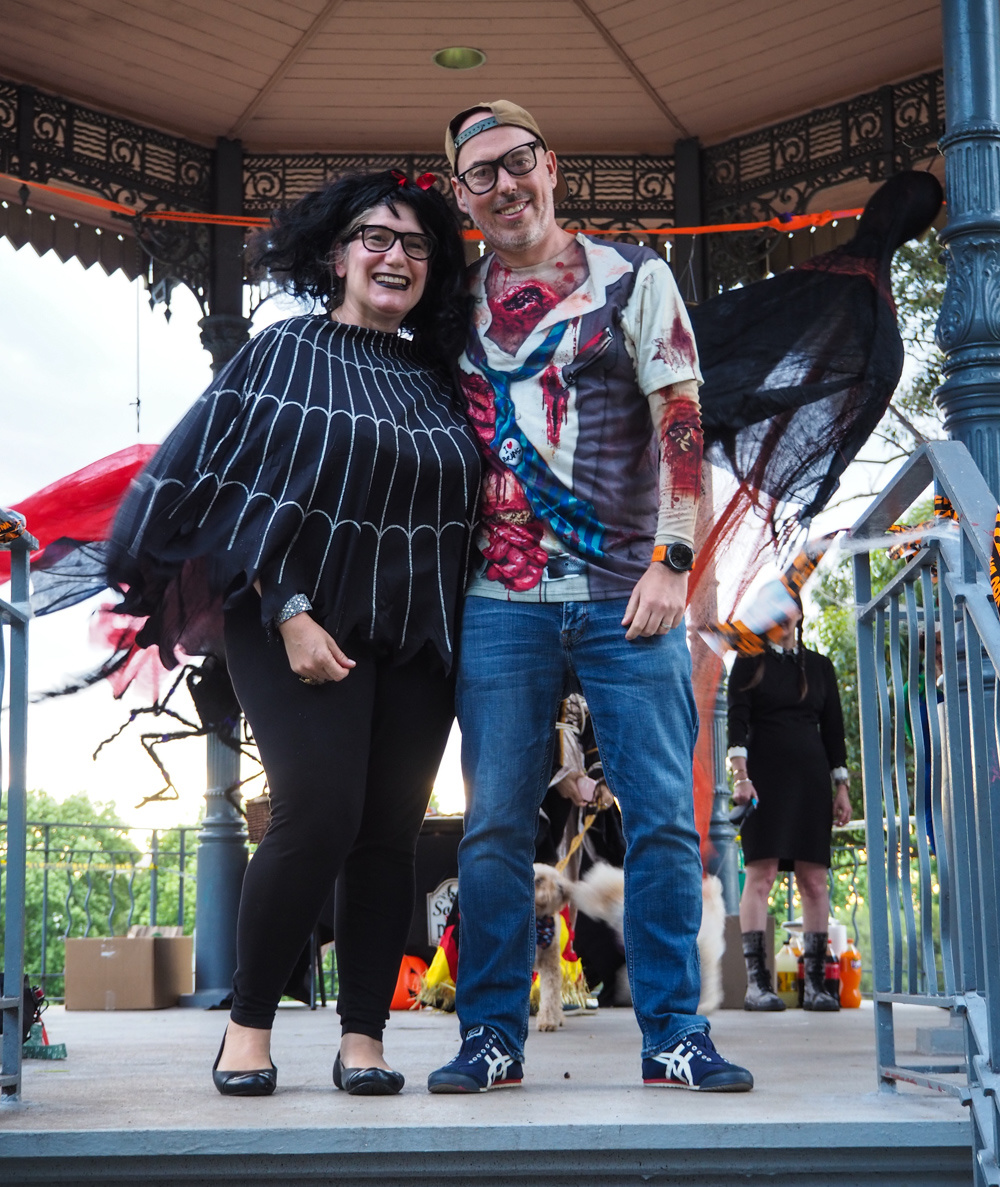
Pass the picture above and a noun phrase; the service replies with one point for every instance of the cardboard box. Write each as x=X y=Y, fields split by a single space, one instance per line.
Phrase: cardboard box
x=734 y=969
x=128 y=974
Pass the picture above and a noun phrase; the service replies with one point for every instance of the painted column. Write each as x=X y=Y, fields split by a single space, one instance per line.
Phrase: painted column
x=968 y=329
x=222 y=840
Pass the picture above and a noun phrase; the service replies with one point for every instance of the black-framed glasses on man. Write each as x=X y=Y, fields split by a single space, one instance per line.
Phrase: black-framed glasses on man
x=381 y=239
x=482 y=177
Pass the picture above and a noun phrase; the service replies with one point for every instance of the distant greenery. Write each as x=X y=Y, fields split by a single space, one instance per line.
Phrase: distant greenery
x=98 y=879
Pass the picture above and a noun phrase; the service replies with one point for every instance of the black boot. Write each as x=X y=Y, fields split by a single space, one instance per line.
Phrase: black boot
x=815 y=996
x=760 y=991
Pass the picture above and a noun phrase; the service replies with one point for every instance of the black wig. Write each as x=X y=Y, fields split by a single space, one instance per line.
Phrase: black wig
x=298 y=253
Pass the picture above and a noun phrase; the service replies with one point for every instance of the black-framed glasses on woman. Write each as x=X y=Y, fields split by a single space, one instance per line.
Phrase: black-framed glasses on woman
x=380 y=239
x=482 y=177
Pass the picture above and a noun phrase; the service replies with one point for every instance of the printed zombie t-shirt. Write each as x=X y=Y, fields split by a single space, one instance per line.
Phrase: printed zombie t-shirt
x=591 y=458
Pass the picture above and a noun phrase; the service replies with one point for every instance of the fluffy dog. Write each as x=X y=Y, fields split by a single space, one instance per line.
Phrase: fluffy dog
x=552 y=893
x=601 y=895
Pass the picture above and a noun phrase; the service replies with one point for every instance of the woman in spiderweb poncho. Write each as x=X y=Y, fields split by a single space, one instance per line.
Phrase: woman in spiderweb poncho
x=323 y=491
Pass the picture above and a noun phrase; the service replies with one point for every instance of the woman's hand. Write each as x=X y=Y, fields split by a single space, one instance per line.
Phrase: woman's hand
x=743 y=791
x=841 y=805
x=577 y=788
x=583 y=790
x=313 y=655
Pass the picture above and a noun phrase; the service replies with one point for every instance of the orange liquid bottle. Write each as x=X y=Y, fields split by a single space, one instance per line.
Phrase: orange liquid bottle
x=850 y=977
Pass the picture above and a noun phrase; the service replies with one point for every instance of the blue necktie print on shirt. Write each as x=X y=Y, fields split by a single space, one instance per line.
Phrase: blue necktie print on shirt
x=574 y=521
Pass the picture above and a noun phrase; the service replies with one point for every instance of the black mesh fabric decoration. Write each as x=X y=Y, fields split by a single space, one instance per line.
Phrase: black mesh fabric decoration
x=800 y=368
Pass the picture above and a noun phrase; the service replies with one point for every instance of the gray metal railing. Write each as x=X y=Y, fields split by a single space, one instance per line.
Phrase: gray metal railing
x=94 y=880
x=932 y=782
x=14 y=616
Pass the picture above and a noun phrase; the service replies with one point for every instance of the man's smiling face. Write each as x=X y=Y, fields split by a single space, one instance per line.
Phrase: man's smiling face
x=517 y=214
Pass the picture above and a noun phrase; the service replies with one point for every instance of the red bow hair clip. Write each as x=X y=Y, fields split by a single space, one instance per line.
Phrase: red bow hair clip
x=424 y=182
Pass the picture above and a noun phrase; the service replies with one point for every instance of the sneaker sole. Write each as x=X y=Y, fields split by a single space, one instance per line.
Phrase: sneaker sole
x=458 y=1085
x=731 y=1086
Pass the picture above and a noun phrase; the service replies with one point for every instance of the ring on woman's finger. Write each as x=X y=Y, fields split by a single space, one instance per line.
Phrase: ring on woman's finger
x=310 y=680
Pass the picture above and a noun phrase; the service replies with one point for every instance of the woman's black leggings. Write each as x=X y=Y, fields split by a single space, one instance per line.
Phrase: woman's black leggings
x=350 y=766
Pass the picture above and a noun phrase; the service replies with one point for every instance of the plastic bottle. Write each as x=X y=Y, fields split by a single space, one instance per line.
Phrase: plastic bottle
x=786 y=974
x=831 y=973
x=850 y=977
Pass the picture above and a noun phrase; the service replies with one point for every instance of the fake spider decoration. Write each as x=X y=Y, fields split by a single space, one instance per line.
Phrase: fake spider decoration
x=219 y=713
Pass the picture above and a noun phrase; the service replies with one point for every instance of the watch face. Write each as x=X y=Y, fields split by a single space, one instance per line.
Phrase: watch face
x=680 y=557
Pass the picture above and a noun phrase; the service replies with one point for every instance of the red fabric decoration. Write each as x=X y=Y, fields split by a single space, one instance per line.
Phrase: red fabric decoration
x=82 y=505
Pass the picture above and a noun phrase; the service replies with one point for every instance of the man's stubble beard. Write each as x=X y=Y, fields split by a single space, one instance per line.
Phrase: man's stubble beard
x=519 y=239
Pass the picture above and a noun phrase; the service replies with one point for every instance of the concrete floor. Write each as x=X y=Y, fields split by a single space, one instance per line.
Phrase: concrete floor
x=151 y=1070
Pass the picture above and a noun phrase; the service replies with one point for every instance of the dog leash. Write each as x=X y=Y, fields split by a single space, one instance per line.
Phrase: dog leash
x=577 y=841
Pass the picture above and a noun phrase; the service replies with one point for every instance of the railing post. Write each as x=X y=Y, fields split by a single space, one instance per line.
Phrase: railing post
x=968 y=330
x=16 y=612
x=154 y=870
x=46 y=839
x=181 y=860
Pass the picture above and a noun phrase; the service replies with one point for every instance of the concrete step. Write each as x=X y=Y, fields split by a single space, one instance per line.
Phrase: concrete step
x=134 y=1104
x=571 y=1155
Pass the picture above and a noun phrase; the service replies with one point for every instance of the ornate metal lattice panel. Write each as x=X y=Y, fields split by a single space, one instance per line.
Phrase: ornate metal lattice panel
x=777 y=169
x=781 y=168
x=44 y=138
x=47 y=139
x=625 y=191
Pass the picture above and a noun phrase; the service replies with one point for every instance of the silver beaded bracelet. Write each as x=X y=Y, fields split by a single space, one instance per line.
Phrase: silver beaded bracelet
x=299 y=604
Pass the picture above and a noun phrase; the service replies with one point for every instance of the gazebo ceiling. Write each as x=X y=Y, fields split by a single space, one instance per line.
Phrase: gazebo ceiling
x=358 y=75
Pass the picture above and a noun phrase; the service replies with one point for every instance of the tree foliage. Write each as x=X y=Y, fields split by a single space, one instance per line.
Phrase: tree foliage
x=918 y=279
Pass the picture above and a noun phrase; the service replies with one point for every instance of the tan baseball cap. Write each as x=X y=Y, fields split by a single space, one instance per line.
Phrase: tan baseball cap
x=496 y=113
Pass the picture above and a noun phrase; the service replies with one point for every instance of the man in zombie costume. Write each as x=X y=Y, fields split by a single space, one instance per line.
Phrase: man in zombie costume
x=581 y=378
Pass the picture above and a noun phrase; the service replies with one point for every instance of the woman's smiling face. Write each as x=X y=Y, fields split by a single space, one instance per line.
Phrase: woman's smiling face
x=380 y=288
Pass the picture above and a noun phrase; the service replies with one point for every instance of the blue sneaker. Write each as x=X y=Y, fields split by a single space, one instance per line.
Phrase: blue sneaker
x=694 y=1063
x=481 y=1064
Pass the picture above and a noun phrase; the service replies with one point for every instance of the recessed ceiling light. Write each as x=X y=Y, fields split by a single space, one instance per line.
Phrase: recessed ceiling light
x=460 y=57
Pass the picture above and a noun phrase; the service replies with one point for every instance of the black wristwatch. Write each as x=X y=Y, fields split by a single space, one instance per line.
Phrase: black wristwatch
x=676 y=556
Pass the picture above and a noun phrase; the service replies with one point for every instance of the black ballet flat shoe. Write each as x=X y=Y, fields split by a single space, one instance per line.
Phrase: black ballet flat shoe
x=366 y=1081
x=261 y=1082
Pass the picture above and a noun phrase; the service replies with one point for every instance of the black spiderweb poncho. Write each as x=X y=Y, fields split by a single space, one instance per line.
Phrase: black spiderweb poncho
x=325 y=460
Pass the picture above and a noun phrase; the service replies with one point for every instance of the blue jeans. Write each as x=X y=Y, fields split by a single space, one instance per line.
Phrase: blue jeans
x=515 y=663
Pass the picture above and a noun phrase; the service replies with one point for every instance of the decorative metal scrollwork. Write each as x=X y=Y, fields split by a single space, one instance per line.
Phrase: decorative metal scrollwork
x=781 y=168
x=626 y=188
x=757 y=176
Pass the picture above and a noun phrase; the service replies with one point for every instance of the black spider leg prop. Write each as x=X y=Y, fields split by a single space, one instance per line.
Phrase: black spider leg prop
x=148 y=742
x=157 y=708
x=232 y=792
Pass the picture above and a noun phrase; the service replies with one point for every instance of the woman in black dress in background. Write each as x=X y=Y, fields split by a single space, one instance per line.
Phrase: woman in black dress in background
x=786 y=742
x=323 y=490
